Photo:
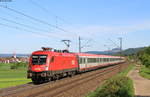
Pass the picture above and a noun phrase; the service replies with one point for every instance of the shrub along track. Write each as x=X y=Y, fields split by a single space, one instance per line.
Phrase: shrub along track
x=76 y=86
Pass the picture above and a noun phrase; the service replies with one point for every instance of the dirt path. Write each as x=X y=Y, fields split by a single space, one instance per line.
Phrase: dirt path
x=141 y=85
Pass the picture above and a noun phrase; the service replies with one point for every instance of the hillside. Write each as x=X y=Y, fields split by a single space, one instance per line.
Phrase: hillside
x=131 y=51
x=115 y=51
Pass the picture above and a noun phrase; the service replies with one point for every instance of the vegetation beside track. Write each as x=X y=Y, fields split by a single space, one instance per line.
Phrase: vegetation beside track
x=13 y=74
x=144 y=58
x=145 y=72
x=117 y=86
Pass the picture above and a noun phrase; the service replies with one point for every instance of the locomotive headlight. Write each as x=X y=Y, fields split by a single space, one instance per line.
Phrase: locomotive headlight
x=46 y=67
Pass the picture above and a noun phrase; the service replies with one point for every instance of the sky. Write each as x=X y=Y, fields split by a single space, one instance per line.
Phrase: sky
x=99 y=23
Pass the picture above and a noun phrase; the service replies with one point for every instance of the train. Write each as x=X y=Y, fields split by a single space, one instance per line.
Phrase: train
x=48 y=64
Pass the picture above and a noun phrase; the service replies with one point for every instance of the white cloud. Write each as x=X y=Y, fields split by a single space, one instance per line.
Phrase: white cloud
x=93 y=30
x=98 y=29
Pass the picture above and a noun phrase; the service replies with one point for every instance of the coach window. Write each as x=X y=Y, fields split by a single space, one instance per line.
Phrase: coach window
x=94 y=60
x=100 y=60
x=110 y=59
x=80 y=60
x=84 y=61
x=105 y=59
x=88 y=60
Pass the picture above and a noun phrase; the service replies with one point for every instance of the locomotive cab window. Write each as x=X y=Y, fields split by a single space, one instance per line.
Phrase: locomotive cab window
x=39 y=59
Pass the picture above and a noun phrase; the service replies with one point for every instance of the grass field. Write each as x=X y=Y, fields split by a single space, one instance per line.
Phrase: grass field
x=145 y=72
x=12 y=77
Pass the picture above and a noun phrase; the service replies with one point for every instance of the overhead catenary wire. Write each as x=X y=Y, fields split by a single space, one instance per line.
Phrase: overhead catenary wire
x=53 y=14
x=24 y=25
x=48 y=11
x=113 y=43
x=22 y=29
x=35 y=3
x=33 y=18
x=19 y=18
x=37 y=20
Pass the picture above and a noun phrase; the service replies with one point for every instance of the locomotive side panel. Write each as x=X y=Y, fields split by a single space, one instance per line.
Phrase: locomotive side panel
x=63 y=63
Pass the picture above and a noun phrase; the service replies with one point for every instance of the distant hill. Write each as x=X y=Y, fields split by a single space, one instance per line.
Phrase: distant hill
x=132 y=50
x=18 y=55
x=116 y=51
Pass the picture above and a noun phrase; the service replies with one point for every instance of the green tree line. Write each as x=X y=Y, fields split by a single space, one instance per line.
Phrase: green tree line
x=144 y=57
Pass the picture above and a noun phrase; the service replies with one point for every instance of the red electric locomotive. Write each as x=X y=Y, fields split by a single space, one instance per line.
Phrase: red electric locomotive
x=46 y=65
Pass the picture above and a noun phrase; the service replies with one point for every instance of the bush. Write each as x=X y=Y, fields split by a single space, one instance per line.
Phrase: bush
x=116 y=87
x=144 y=57
x=18 y=65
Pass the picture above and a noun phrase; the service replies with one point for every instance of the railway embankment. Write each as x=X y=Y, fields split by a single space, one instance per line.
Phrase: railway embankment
x=141 y=84
x=118 y=86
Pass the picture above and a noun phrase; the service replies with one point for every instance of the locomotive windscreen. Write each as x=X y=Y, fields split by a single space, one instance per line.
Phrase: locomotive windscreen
x=39 y=59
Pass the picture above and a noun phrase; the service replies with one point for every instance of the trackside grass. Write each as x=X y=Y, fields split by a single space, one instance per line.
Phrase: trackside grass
x=12 y=77
x=145 y=72
x=117 y=86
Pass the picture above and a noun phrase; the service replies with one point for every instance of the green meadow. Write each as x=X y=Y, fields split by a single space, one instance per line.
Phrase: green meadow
x=145 y=71
x=12 y=77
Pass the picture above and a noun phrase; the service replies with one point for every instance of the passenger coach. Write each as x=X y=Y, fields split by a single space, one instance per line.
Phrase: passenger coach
x=92 y=61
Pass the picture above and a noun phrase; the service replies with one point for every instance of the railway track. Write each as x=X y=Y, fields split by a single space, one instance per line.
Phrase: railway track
x=60 y=87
